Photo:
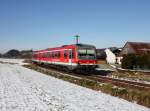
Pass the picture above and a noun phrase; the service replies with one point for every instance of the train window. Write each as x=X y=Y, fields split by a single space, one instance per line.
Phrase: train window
x=90 y=52
x=43 y=55
x=71 y=54
x=58 y=54
x=48 y=55
x=65 y=54
x=86 y=54
x=53 y=55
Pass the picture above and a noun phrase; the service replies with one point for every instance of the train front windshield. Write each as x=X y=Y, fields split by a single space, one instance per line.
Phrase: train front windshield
x=86 y=54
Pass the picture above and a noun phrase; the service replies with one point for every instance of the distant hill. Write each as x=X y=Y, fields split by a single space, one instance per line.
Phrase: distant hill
x=13 y=53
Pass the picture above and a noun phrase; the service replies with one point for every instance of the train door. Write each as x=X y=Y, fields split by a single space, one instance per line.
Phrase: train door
x=65 y=56
x=70 y=57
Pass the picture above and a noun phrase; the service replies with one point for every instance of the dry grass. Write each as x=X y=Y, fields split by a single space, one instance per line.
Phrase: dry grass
x=101 y=62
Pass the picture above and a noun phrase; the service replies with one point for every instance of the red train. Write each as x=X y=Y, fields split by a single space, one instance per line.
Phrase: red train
x=72 y=57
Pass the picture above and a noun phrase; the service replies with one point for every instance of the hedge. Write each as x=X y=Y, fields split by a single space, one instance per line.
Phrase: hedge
x=136 y=61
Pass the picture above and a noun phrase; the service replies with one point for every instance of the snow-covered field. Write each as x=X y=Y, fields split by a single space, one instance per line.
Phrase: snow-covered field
x=13 y=61
x=23 y=89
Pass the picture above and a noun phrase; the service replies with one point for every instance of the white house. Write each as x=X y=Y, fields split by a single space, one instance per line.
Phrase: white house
x=112 y=58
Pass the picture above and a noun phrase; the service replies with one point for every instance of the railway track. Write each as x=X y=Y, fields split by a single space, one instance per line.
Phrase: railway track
x=100 y=78
x=122 y=83
x=130 y=71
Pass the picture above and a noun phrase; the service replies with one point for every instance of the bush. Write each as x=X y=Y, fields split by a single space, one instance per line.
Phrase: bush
x=134 y=61
x=129 y=61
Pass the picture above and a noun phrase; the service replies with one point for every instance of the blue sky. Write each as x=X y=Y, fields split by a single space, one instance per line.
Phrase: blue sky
x=38 y=24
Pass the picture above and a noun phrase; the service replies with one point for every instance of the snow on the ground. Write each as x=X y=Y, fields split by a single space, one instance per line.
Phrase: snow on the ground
x=22 y=89
x=12 y=61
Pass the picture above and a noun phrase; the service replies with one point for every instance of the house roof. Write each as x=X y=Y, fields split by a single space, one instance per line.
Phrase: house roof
x=140 y=47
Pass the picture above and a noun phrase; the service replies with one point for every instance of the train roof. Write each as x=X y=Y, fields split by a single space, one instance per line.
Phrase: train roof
x=72 y=45
x=80 y=45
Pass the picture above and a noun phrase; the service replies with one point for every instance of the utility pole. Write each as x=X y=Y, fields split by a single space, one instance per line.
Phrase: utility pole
x=77 y=37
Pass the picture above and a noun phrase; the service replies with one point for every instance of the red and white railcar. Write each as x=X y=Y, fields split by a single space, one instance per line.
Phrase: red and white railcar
x=76 y=56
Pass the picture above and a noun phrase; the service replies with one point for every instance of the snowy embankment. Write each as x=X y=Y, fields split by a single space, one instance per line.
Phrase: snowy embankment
x=24 y=89
x=12 y=61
